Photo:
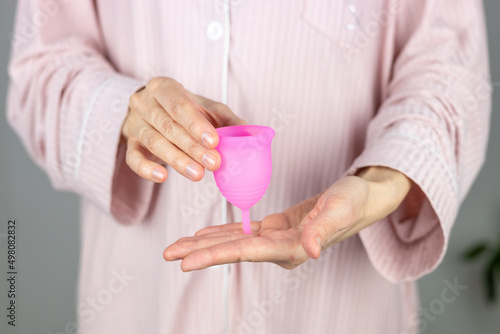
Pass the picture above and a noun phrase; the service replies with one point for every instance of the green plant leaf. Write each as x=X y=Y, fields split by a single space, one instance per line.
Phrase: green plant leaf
x=497 y=265
x=489 y=280
x=475 y=251
x=491 y=275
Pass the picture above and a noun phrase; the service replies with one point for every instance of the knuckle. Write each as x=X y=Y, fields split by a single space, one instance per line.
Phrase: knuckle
x=177 y=103
x=174 y=85
x=192 y=147
x=155 y=83
x=167 y=126
x=150 y=140
x=175 y=160
x=196 y=127
x=135 y=100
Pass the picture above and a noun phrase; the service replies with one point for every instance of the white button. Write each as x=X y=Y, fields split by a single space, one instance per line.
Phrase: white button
x=215 y=30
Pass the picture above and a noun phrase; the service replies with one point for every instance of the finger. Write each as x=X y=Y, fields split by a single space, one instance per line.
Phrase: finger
x=158 y=145
x=214 y=234
x=255 y=225
x=176 y=101
x=178 y=135
x=151 y=156
x=319 y=230
x=251 y=249
x=209 y=235
x=180 y=249
x=137 y=161
x=220 y=113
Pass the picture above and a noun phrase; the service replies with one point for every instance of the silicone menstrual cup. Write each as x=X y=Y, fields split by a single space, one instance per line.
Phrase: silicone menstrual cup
x=245 y=170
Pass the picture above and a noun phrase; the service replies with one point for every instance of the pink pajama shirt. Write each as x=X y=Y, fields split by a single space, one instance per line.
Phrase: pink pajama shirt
x=345 y=84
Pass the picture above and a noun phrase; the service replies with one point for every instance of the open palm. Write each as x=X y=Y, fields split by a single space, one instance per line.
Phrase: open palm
x=287 y=239
x=274 y=239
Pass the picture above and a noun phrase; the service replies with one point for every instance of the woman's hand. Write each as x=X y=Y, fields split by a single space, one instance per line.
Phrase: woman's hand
x=302 y=231
x=167 y=124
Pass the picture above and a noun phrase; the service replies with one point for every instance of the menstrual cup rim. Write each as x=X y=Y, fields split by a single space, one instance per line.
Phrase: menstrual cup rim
x=241 y=138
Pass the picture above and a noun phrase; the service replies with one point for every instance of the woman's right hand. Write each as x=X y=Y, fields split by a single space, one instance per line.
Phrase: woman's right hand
x=167 y=124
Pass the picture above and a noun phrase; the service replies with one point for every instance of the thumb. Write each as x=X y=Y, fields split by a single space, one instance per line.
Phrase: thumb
x=316 y=232
x=319 y=226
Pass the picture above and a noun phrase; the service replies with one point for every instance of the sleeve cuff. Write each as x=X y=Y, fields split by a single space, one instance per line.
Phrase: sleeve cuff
x=412 y=240
x=103 y=176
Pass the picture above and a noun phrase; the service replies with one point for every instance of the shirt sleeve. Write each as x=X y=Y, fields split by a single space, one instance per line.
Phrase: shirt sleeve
x=67 y=103
x=432 y=126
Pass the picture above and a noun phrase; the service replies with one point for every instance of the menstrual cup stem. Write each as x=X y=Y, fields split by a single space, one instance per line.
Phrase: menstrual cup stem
x=245 y=215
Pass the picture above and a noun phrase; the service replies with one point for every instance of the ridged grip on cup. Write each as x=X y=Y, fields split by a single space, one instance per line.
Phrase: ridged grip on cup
x=246 y=165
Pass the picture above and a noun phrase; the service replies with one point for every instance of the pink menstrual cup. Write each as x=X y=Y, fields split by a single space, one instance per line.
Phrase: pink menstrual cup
x=245 y=170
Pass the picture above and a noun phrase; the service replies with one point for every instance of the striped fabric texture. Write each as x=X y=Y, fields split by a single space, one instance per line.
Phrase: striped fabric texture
x=344 y=83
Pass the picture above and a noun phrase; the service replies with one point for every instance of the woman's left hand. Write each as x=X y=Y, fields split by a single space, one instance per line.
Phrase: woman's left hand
x=290 y=238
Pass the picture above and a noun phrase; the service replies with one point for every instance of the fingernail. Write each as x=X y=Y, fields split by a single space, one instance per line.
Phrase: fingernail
x=208 y=160
x=318 y=240
x=192 y=171
x=158 y=174
x=208 y=139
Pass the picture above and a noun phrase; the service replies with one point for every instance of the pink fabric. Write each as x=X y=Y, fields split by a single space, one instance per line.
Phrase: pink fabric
x=345 y=84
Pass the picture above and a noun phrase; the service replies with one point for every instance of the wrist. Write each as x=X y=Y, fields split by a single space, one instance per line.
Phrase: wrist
x=387 y=188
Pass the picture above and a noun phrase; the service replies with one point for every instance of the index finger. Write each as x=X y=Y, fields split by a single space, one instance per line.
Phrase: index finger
x=249 y=249
x=226 y=227
x=176 y=101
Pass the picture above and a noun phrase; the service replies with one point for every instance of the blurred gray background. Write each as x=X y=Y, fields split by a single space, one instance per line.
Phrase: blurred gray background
x=48 y=242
